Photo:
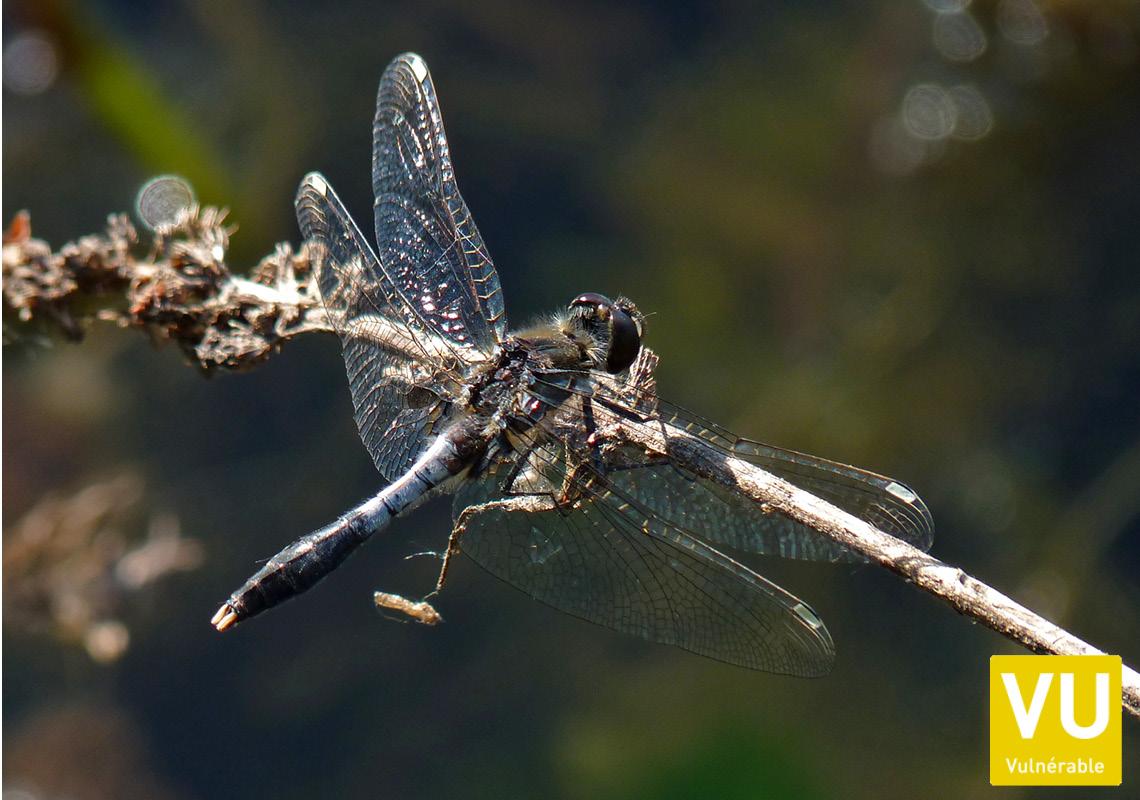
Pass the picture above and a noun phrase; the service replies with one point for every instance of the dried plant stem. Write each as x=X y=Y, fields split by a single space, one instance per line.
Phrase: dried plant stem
x=177 y=288
x=180 y=289
x=962 y=592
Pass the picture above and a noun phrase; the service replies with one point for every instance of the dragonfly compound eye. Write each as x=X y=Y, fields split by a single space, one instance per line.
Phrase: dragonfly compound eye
x=625 y=340
x=592 y=301
x=612 y=323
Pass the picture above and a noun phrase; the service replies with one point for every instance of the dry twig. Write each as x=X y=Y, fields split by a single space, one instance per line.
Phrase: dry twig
x=962 y=592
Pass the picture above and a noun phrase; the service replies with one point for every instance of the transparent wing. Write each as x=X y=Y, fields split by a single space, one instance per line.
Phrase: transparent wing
x=398 y=368
x=889 y=505
x=427 y=240
x=604 y=557
x=724 y=517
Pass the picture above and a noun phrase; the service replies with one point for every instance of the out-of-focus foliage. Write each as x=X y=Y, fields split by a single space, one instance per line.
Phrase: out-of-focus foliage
x=901 y=234
x=71 y=569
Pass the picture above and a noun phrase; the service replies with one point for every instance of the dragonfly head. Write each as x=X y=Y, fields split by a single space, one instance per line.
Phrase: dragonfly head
x=616 y=326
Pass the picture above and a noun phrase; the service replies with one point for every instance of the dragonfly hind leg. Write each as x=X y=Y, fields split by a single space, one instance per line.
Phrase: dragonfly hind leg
x=529 y=503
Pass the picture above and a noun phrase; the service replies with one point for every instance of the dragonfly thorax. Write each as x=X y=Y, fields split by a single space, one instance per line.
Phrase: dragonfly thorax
x=519 y=385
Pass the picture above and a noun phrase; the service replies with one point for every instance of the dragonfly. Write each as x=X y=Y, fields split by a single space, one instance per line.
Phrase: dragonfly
x=448 y=400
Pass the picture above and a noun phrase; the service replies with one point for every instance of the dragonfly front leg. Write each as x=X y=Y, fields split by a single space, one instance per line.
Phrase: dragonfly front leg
x=530 y=503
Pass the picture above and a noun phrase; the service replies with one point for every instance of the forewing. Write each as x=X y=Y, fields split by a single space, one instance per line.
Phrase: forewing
x=607 y=559
x=730 y=519
x=396 y=364
x=427 y=240
x=724 y=517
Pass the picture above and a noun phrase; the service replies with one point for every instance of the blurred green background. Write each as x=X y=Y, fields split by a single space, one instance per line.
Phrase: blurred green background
x=899 y=234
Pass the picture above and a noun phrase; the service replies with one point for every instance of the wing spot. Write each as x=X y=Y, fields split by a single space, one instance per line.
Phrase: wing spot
x=808 y=616
x=903 y=493
x=419 y=67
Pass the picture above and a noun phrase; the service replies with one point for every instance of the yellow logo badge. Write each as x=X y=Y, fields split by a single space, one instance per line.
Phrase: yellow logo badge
x=1055 y=720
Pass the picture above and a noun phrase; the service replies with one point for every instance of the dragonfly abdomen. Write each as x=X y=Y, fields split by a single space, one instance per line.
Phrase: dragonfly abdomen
x=304 y=562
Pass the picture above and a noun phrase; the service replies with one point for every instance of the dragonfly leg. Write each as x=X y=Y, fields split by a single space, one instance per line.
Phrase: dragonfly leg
x=531 y=503
x=591 y=427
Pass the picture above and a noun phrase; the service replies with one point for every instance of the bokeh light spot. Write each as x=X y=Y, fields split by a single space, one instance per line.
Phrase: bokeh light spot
x=928 y=112
x=972 y=118
x=1021 y=22
x=946 y=6
x=959 y=37
x=31 y=63
x=161 y=198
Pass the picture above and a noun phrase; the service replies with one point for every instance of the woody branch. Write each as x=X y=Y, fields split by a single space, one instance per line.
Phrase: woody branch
x=962 y=592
